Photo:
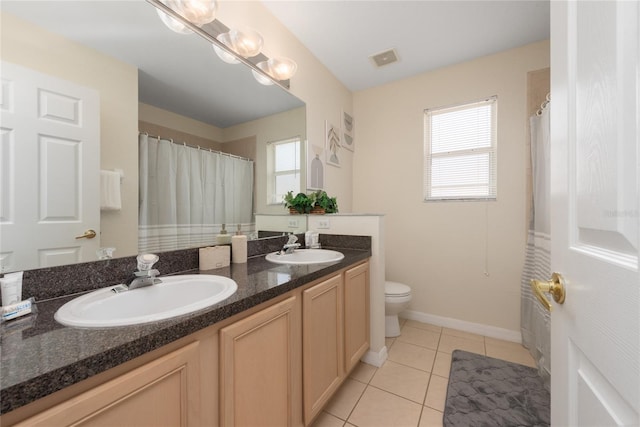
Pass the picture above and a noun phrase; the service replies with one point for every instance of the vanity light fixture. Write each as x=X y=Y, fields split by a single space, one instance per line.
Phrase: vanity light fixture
x=278 y=68
x=198 y=16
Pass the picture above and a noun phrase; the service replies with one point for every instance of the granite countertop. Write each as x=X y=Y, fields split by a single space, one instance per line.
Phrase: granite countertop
x=40 y=356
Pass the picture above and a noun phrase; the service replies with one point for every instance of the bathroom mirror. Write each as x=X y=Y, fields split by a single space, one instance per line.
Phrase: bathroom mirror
x=174 y=75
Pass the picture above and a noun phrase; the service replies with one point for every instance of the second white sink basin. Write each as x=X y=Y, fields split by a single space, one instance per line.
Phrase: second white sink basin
x=306 y=256
x=175 y=296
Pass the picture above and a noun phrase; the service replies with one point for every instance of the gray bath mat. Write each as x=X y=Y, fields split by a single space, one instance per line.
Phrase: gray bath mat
x=484 y=391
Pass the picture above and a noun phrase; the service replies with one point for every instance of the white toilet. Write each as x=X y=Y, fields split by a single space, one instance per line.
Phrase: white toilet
x=396 y=299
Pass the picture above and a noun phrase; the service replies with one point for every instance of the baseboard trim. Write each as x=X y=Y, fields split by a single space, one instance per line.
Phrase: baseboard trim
x=463 y=325
x=376 y=359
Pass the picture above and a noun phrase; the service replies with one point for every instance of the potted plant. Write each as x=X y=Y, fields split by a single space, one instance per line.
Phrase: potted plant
x=298 y=204
x=322 y=203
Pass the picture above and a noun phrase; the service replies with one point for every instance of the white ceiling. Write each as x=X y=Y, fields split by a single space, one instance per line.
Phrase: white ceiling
x=426 y=34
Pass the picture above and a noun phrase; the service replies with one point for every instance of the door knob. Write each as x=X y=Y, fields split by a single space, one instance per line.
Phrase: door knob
x=89 y=234
x=555 y=287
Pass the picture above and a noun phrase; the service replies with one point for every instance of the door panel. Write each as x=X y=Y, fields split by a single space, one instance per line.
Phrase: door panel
x=356 y=314
x=595 y=336
x=60 y=172
x=164 y=392
x=257 y=368
x=323 y=353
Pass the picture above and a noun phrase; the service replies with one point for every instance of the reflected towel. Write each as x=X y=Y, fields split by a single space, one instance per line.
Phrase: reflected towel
x=110 y=191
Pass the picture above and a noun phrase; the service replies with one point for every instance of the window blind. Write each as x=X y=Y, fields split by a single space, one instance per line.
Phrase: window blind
x=460 y=146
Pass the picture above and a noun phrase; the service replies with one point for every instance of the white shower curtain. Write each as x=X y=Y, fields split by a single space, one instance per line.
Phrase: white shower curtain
x=535 y=320
x=186 y=194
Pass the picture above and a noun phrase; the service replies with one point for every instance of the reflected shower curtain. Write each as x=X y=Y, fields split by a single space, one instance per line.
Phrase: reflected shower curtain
x=187 y=193
x=535 y=320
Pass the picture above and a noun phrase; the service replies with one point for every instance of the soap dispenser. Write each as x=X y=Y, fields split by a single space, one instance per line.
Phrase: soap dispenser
x=239 y=248
x=223 y=238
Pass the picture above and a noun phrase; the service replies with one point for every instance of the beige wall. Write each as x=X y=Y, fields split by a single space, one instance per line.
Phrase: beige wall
x=324 y=95
x=117 y=83
x=181 y=124
x=439 y=249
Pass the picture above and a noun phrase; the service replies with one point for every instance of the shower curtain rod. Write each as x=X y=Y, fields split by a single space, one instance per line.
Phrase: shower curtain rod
x=196 y=147
x=544 y=105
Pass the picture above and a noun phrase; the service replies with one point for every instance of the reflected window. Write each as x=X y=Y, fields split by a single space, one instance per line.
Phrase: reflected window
x=283 y=166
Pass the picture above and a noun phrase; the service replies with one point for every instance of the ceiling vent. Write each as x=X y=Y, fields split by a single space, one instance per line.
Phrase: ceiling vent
x=385 y=58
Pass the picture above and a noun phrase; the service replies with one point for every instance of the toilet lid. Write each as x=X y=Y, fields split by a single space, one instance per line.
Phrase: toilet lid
x=396 y=289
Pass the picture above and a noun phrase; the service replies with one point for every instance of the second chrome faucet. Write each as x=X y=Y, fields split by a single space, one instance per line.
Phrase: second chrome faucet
x=290 y=246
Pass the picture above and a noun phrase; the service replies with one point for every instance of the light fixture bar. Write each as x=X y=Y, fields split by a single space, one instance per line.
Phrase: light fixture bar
x=210 y=33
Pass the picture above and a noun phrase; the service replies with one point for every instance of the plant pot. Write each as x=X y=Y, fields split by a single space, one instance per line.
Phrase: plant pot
x=293 y=211
x=317 y=210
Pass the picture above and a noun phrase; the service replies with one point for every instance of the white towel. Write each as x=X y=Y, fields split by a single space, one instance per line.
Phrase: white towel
x=110 y=191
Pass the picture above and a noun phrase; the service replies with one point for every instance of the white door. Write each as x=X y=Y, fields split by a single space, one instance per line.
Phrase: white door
x=50 y=160
x=595 y=111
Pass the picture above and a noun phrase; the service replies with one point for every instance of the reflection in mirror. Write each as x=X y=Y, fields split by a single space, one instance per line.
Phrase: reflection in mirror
x=279 y=224
x=144 y=78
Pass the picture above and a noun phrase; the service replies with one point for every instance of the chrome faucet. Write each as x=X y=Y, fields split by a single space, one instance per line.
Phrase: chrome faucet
x=290 y=246
x=145 y=276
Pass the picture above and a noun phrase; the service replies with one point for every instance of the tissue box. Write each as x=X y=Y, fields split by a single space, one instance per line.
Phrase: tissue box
x=215 y=257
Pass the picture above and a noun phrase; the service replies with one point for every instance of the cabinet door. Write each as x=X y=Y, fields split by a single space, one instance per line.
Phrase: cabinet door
x=163 y=392
x=356 y=314
x=322 y=332
x=257 y=368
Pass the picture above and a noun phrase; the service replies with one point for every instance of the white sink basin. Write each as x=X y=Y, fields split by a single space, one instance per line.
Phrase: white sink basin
x=306 y=256
x=175 y=296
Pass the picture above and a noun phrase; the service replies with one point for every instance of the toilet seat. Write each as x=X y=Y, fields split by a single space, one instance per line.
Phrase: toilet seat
x=395 y=289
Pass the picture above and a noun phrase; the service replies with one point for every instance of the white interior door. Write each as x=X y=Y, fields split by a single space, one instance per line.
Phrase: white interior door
x=595 y=334
x=50 y=159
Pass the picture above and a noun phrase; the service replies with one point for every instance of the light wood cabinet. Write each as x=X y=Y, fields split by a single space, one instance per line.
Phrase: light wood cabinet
x=356 y=314
x=259 y=367
x=163 y=392
x=323 y=338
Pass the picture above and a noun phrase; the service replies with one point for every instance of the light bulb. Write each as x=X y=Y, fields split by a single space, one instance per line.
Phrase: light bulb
x=263 y=80
x=225 y=39
x=282 y=68
x=198 y=12
x=246 y=42
x=173 y=24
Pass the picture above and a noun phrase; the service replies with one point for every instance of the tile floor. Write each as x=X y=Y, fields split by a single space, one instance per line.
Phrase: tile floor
x=410 y=388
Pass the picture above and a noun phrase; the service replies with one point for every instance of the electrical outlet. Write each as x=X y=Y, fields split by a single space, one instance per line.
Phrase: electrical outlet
x=293 y=223
x=323 y=223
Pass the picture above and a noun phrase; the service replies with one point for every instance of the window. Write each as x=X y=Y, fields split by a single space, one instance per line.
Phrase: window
x=283 y=165
x=460 y=148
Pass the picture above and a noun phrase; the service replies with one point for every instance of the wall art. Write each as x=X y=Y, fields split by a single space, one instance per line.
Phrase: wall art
x=332 y=143
x=348 y=131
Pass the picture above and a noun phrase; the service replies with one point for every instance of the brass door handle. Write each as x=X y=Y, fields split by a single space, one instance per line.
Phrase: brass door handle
x=555 y=287
x=89 y=234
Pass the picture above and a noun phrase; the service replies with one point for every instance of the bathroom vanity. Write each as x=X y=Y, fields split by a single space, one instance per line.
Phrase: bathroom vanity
x=271 y=354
